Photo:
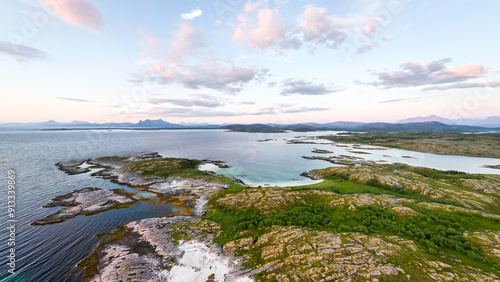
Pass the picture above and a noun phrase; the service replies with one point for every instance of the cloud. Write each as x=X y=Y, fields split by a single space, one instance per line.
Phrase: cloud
x=400 y=100
x=370 y=46
x=200 y=101
x=371 y=26
x=21 y=52
x=147 y=43
x=76 y=12
x=463 y=85
x=227 y=79
x=191 y=15
x=247 y=103
x=74 y=99
x=303 y=87
x=215 y=77
x=433 y=73
x=260 y=27
x=189 y=112
x=320 y=28
x=187 y=40
x=168 y=67
x=305 y=109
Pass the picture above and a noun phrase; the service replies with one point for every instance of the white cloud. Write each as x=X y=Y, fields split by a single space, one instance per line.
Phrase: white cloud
x=192 y=15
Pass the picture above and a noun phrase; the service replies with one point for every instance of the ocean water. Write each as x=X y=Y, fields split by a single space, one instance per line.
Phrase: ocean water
x=50 y=252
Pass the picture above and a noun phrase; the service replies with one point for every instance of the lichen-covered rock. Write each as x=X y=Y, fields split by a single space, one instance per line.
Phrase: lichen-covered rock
x=488 y=241
x=300 y=254
x=486 y=186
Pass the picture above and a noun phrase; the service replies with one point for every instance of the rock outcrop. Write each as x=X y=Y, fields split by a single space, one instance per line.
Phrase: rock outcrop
x=85 y=201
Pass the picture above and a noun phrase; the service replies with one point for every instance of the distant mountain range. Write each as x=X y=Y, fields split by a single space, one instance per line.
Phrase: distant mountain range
x=364 y=127
x=493 y=121
x=428 y=123
x=142 y=124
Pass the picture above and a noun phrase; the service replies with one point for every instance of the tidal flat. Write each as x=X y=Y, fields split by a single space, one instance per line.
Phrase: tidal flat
x=362 y=222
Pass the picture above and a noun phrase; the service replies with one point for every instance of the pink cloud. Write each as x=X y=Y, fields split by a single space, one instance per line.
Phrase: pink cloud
x=169 y=66
x=76 y=12
x=186 y=41
x=434 y=73
x=374 y=44
x=266 y=31
x=251 y=6
x=260 y=27
x=371 y=26
x=318 y=24
x=466 y=71
x=148 y=42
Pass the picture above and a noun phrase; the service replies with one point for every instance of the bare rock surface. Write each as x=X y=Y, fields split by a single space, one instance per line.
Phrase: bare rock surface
x=73 y=167
x=85 y=201
x=115 y=169
x=492 y=166
x=166 y=249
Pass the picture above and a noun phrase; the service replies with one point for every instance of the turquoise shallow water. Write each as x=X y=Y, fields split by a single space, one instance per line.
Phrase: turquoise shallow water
x=50 y=253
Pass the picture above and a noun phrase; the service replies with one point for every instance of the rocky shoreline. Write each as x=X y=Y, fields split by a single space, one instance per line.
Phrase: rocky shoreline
x=163 y=249
x=184 y=246
x=73 y=167
x=86 y=201
x=154 y=249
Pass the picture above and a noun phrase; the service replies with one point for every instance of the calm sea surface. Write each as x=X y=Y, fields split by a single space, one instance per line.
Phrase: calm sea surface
x=50 y=252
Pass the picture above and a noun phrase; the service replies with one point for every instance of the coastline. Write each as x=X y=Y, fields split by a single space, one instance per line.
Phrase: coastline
x=441 y=143
x=198 y=244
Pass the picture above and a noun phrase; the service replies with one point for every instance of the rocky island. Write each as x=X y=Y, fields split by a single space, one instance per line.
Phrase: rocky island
x=86 y=201
x=363 y=222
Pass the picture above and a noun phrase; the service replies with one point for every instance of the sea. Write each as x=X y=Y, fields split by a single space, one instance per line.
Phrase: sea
x=51 y=252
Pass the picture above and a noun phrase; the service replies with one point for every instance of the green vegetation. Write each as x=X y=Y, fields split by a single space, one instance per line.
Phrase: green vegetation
x=112 y=158
x=449 y=143
x=476 y=191
x=434 y=231
x=384 y=221
x=163 y=167
x=368 y=206
x=186 y=168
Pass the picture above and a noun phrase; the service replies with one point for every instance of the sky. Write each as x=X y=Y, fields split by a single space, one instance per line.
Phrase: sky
x=237 y=61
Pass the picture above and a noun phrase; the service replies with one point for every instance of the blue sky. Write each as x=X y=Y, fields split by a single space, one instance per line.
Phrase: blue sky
x=229 y=61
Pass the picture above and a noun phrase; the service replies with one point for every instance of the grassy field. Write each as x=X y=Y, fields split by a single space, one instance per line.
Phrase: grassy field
x=449 y=143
